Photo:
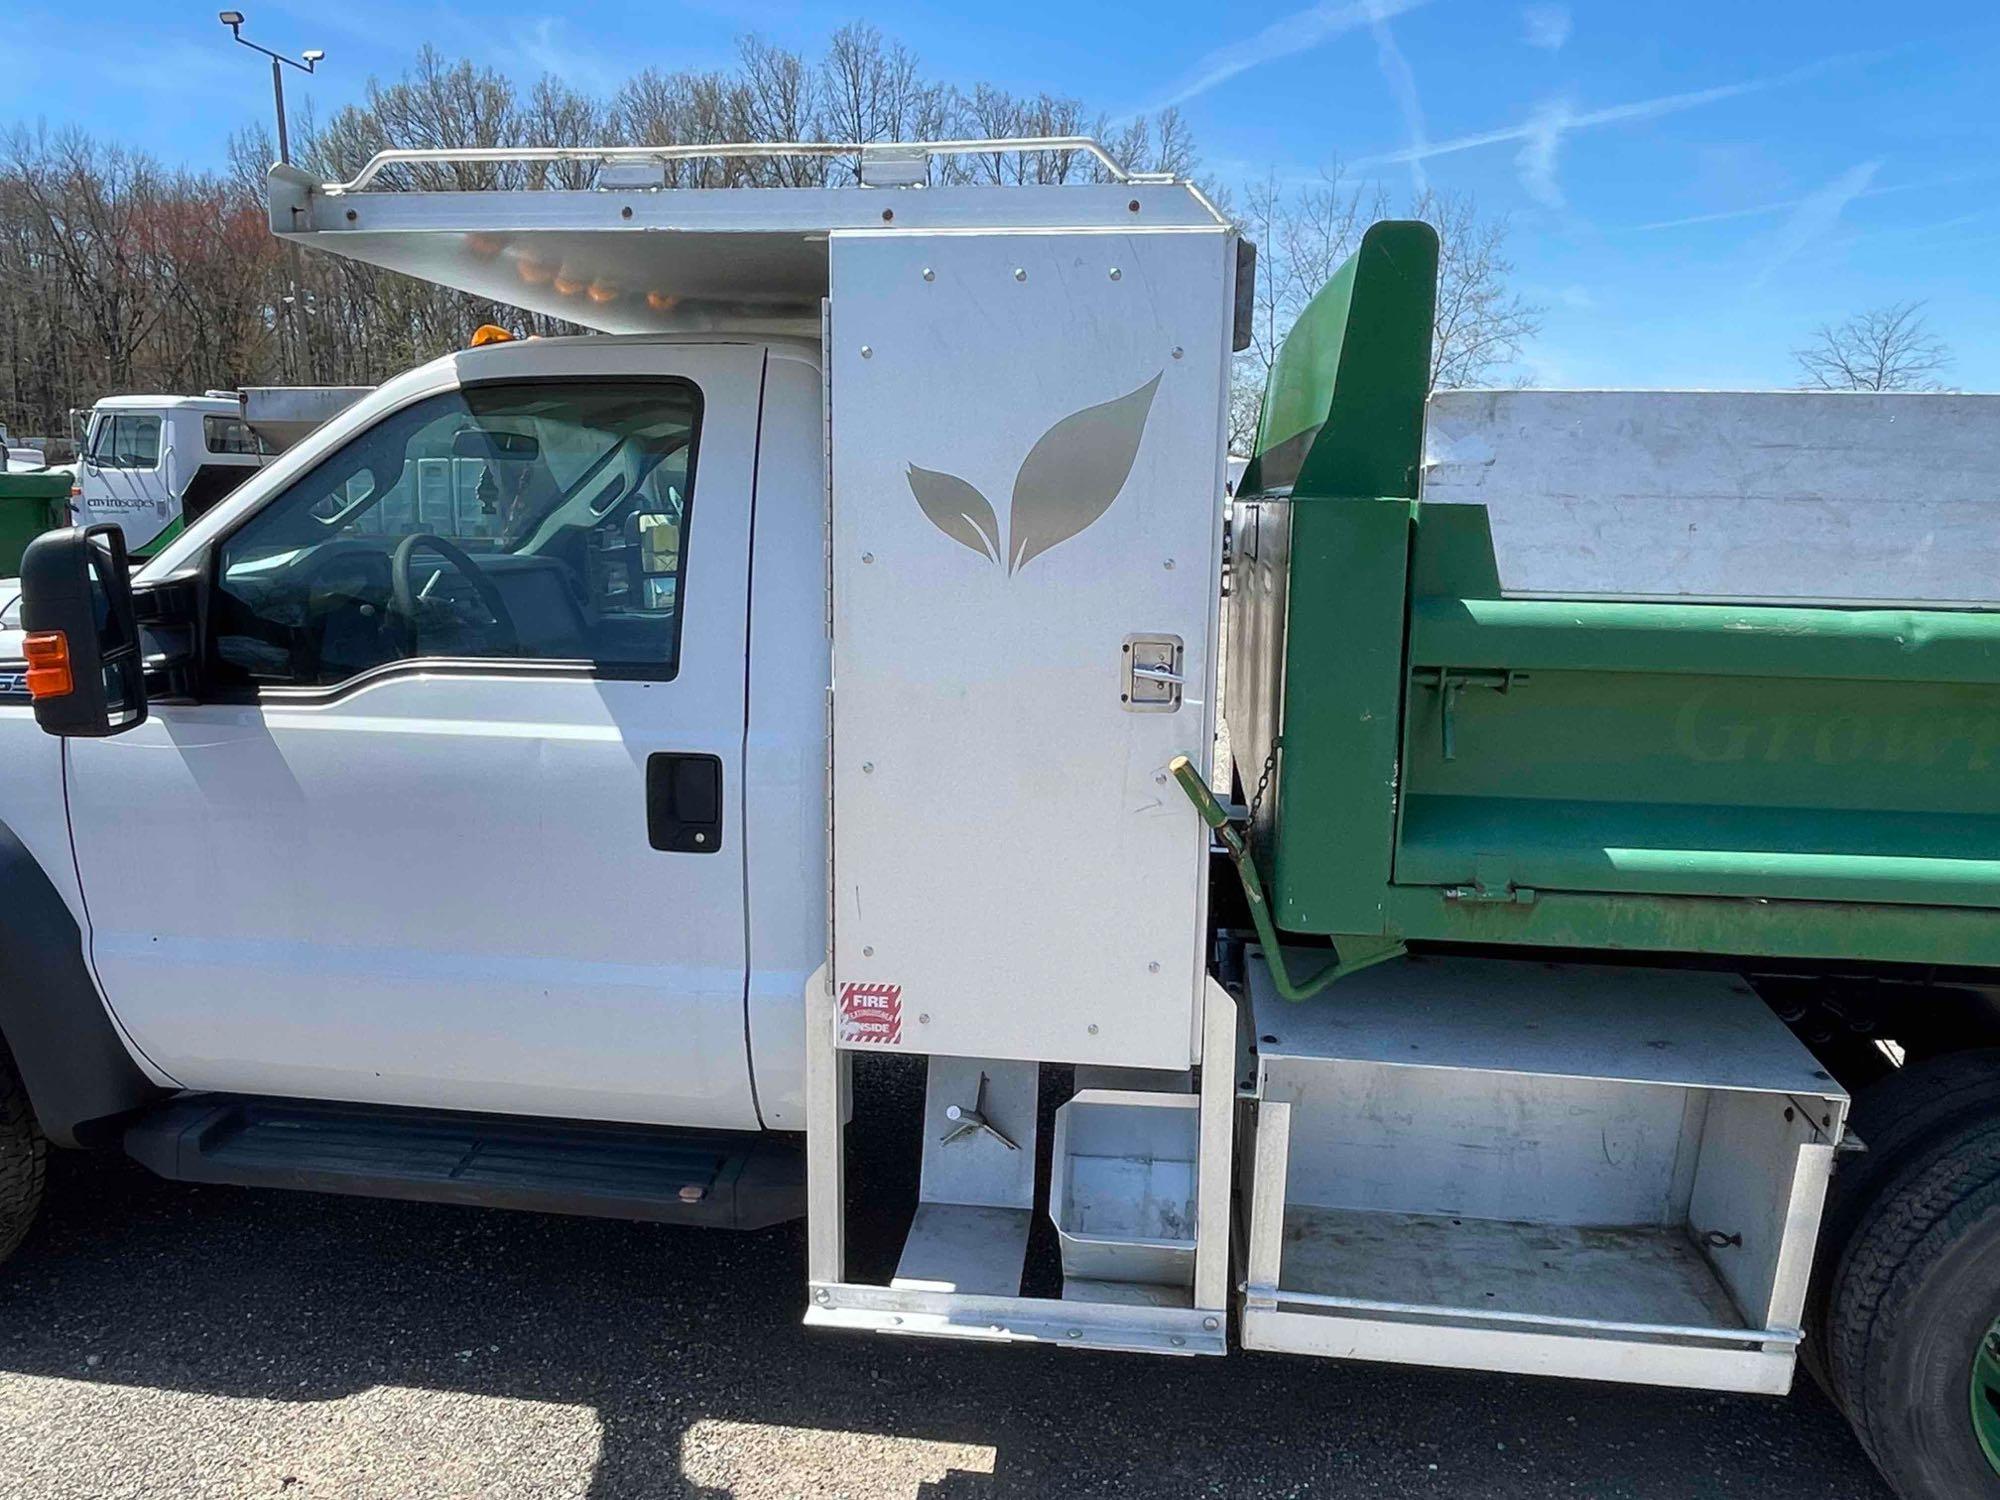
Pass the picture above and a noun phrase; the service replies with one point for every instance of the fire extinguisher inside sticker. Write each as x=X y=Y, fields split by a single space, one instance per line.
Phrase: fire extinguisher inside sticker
x=871 y=1013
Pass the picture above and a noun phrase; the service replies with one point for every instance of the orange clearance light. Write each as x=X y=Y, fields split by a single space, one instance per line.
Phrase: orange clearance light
x=48 y=665
x=489 y=333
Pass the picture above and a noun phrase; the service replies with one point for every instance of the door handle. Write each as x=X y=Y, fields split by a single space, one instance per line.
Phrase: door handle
x=684 y=802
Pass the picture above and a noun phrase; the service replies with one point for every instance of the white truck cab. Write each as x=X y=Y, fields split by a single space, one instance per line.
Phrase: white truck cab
x=145 y=460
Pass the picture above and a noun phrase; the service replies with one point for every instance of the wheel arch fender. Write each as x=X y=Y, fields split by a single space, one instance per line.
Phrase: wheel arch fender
x=75 y=1066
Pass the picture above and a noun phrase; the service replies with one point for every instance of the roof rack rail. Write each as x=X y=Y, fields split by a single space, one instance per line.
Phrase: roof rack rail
x=892 y=160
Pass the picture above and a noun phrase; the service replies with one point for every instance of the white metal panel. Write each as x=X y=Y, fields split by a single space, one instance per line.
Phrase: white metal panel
x=1729 y=494
x=1010 y=858
x=783 y=789
x=683 y=258
x=1639 y=1361
x=1590 y=1021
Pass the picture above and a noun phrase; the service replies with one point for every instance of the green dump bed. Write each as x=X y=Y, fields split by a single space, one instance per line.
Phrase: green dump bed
x=1449 y=763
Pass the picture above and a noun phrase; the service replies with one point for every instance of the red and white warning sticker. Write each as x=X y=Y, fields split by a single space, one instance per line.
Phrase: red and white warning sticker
x=871 y=1013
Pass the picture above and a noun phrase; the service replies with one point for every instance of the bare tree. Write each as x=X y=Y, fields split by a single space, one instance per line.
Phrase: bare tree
x=1303 y=231
x=1883 y=349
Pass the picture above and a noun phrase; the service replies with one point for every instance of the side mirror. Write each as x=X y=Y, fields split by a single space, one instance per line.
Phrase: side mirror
x=85 y=671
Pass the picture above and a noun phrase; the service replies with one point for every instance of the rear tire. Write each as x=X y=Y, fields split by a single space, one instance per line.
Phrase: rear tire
x=1894 y=1119
x=23 y=1158
x=1913 y=1309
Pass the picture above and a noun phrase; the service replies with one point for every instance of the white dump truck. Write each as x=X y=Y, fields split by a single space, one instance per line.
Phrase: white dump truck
x=538 y=786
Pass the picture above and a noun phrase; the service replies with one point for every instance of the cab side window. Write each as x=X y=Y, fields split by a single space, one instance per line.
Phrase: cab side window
x=126 y=441
x=526 y=521
x=231 y=435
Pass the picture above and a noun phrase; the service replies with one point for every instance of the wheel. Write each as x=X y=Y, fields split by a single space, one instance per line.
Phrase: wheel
x=23 y=1158
x=1893 y=1119
x=1914 y=1322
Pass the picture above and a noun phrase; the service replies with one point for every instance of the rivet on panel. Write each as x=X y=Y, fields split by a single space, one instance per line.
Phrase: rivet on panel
x=1178 y=351
x=1153 y=967
x=1116 y=273
x=924 y=1019
x=1210 y=1324
x=1091 y=1028
x=867 y=952
x=868 y=768
x=867 y=352
x=929 y=274
x=868 y=557
x=1020 y=273
x=1168 y=565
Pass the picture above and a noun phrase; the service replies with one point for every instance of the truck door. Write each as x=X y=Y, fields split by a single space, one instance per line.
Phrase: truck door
x=458 y=826
x=122 y=475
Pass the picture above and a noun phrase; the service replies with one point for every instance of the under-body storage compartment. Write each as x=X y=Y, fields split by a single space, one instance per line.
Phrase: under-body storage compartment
x=1123 y=1197
x=1562 y=1169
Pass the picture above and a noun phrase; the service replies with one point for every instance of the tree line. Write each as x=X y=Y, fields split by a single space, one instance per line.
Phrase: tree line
x=119 y=273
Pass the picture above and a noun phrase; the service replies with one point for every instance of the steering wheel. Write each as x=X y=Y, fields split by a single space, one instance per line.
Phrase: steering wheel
x=403 y=596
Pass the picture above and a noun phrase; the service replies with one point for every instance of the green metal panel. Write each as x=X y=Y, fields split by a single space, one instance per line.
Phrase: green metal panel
x=1948 y=936
x=30 y=504
x=1344 y=408
x=1330 y=856
x=1316 y=651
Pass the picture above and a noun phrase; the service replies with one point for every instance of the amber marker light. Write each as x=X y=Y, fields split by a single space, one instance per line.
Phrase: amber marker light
x=49 y=675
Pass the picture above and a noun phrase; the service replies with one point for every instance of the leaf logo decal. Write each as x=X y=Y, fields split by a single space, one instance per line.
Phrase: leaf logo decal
x=1068 y=480
x=958 y=510
x=1072 y=475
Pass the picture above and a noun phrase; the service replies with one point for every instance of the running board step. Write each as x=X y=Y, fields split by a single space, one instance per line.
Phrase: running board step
x=733 y=1181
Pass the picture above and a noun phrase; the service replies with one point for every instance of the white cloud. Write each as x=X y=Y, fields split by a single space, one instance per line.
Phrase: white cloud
x=542 y=47
x=1298 y=32
x=1817 y=214
x=1785 y=205
x=1540 y=124
x=1546 y=26
x=1544 y=130
x=1402 y=81
x=1536 y=162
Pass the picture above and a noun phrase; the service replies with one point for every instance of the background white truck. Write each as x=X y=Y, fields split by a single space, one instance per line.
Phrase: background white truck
x=537 y=786
x=149 y=464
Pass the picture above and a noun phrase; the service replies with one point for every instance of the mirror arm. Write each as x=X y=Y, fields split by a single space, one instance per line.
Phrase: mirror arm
x=169 y=614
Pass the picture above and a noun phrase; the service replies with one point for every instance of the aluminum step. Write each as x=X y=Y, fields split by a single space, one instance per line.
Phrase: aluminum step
x=737 y=1181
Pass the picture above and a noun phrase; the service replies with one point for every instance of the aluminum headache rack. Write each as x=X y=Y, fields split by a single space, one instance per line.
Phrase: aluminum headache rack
x=632 y=255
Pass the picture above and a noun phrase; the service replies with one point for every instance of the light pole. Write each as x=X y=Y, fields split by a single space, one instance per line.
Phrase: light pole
x=305 y=62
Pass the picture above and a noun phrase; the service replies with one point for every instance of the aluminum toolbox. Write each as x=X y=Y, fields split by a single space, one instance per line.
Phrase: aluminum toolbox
x=1611 y=1173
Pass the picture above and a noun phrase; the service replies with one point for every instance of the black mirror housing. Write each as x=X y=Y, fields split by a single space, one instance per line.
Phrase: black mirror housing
x=86 y=672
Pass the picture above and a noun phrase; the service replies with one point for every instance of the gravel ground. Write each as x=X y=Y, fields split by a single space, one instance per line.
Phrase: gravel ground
x=157 y=1339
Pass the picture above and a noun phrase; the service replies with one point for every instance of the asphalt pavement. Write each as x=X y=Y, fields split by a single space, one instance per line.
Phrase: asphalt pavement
x=164 y=1340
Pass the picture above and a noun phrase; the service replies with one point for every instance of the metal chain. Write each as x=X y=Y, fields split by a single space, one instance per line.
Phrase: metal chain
x=1264 y=781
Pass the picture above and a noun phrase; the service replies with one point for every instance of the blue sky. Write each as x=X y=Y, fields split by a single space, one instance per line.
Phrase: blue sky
x=1692 y=187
